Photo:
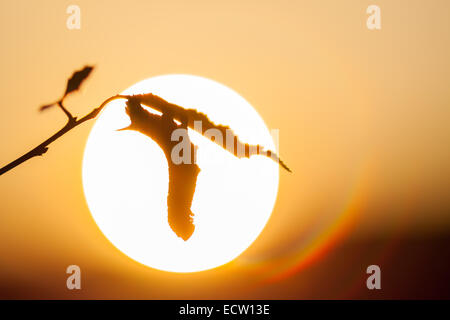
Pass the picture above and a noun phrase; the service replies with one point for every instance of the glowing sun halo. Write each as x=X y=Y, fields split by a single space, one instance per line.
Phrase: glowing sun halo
x=125 y=179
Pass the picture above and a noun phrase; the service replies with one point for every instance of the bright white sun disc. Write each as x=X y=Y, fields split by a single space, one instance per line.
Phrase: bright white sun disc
x=125 y=180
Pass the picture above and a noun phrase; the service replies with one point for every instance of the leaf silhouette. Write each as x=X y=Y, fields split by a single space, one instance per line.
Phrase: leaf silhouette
x=77 y=79
x=190 y=116
x=73 y=84
x=182 y=175
x=47 y=106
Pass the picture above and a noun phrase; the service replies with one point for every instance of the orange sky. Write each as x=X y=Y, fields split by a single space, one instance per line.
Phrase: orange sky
x=356 y=109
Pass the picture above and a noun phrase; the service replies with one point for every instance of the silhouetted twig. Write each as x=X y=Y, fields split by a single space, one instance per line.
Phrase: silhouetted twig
x=159 y=128
x=73 y=84
x=188 y=117
x=43 y=147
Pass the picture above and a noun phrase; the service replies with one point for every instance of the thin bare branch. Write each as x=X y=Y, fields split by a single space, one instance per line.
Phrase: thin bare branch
x=67 y=113
x=71 y=123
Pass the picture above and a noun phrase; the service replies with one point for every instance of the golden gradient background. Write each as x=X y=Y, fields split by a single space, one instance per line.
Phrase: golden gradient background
x=364 y=124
